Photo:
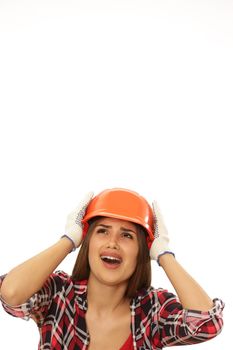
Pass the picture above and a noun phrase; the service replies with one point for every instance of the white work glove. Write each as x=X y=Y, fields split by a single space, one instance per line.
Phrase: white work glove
x=159 y=246
x=74 y=226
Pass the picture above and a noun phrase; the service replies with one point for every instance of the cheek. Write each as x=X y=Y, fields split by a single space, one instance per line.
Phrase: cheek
x=91 y=251
x=133 y=254
x=135 y=260
x=92 y=242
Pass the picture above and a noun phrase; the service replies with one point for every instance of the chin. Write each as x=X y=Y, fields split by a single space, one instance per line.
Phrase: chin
x=110 y=280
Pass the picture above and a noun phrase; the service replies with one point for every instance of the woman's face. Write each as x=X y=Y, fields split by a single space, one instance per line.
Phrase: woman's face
x=113 y=250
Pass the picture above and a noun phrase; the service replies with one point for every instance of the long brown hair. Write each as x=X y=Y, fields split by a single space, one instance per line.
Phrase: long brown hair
x=141 y=278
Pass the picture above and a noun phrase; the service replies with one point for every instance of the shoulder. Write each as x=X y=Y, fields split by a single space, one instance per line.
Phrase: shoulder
x=157 y=298
x=61 y=281
x=160 y=293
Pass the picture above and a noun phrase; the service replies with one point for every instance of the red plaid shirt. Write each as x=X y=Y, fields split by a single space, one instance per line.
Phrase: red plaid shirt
x=157 y=317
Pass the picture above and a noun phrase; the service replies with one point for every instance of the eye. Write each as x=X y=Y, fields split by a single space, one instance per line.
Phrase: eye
x=101 y=230
x=127 y=235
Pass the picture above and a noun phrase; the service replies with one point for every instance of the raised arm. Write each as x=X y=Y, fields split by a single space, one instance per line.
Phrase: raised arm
x=190 y=293
x=27 y=278
x=193 y=317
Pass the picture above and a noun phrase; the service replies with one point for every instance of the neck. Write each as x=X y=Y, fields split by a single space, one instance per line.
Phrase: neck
x=103 y=298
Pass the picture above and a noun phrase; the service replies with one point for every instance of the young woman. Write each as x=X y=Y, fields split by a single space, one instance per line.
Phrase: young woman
x=108 y=301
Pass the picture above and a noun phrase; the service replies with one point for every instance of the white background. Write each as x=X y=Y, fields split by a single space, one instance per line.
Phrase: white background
x=101 y=94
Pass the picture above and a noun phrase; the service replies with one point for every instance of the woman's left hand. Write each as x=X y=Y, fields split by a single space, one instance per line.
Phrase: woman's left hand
x=160 y=245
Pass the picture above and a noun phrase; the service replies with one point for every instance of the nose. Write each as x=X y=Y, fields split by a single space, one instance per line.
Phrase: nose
x=113 y=241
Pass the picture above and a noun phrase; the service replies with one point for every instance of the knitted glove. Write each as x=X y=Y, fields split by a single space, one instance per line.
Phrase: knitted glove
x=159 y=246
x=74 y=226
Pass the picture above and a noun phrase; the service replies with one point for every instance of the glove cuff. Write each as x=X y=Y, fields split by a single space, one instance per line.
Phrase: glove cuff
x=75 y=236
x=74 y=246
x=165 y=252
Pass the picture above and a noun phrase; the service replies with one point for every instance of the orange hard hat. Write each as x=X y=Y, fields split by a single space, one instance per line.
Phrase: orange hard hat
x=122 y=204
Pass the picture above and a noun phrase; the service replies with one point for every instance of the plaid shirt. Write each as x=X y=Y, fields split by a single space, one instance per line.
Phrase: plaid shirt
x=157 y=317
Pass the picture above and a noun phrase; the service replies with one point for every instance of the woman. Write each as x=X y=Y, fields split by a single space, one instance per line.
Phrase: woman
x=108 y=302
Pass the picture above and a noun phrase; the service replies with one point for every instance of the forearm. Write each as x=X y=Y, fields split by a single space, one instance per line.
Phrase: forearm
x=27 y=278
x=190 y=293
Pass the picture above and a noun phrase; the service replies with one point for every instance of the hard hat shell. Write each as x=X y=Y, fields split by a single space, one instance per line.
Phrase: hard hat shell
x=122 y=204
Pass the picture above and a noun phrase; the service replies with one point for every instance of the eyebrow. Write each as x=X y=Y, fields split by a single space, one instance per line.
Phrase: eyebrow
x=122 y=228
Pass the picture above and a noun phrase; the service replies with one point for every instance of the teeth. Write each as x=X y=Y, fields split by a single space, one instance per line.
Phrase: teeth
x=110 y=258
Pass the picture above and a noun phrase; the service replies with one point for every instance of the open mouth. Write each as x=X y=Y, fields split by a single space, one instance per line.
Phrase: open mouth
x=111 y=260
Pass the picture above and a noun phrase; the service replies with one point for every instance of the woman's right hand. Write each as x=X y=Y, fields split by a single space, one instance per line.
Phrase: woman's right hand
x=74 y=227
x=26 y=279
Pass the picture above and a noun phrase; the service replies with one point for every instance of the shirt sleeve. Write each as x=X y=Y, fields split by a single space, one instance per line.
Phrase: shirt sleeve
x=179 y=326
x=37 y=306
